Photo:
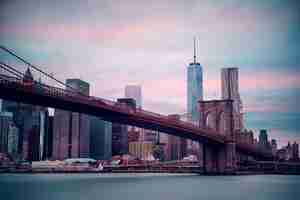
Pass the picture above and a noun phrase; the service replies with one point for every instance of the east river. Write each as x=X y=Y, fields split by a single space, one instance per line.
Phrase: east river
x=147 y=186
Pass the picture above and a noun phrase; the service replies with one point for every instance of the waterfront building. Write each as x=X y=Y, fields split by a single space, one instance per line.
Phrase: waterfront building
x=12 y=140
x=5 y=121
x=71 y=130
x=176 y=147
x=194 y=88
x=141 y=149
x=230 y=90
x=263 y=138
x=30 y=121
x=120 y=131
x=295 y=150
x=274 y=146
x=48 y=144
x=100 y=139
x=135 y=92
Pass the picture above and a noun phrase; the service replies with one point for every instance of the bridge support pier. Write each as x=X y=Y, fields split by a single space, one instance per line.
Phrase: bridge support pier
x=218 y=160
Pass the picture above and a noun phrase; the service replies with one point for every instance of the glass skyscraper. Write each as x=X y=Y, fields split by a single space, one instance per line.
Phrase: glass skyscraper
x=194 y=88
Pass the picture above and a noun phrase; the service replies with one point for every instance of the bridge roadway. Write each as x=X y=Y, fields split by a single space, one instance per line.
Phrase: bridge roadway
x=15 y=89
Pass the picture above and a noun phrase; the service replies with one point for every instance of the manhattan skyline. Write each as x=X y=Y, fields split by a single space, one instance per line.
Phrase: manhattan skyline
x=113 y=44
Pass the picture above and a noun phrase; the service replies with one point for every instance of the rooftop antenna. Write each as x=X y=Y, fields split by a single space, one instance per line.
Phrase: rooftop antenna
x=194 y=50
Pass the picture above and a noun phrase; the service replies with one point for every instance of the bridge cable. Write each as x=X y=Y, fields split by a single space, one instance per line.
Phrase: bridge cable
x=11 y=70
x=36 y=68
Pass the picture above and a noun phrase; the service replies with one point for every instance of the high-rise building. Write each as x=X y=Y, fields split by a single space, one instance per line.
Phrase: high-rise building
x=71 y=136
x=230 y=90
x=48 y=141
x=295 y=150
x=194 y=88
x=134 y=92
x=263 y=138
x=120 y=131
x=5 y=121
x=100 y=139
x=274 y=147
x=176 y=147
x=0 y=105
x=30 y=121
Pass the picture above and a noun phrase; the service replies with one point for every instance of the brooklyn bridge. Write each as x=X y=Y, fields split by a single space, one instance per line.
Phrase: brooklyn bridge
x=222 y=148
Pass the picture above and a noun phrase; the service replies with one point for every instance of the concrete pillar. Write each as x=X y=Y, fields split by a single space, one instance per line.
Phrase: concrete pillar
x=230 y=149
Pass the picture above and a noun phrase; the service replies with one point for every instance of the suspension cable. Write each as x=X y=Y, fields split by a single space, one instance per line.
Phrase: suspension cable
x=37 y=68
x=11 y=70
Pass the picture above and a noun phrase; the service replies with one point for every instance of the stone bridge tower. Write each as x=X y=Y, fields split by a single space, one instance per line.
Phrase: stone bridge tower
x=218 y=115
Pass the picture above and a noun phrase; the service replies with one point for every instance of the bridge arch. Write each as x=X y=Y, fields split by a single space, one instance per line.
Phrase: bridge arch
x=217 y=115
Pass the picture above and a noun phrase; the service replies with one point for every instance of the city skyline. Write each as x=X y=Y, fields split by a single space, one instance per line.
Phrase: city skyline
x=252 y=40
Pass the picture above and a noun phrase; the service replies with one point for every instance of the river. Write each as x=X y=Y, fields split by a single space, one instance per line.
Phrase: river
x=147 y=186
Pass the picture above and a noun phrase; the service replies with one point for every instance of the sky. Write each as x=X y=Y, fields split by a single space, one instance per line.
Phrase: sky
x=113 y=43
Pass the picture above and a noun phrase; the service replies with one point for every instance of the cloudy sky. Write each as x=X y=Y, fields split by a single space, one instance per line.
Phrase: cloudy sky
x=111 y=43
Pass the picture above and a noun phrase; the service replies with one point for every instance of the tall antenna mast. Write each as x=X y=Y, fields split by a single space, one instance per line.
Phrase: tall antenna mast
x=194 y=50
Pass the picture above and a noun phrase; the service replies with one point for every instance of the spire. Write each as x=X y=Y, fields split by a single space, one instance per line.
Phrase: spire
x=194 y=50
x=28 y=75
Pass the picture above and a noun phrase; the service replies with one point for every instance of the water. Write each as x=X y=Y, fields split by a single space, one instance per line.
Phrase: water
x=147 y=186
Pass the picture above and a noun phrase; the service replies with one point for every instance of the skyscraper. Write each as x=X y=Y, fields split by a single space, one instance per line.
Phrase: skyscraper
x=100 y=139
x=134 y=92
x=30 y=122
x=194 y=88
x=120 y=131
x=71 y=131
x=263 y=138
x=0 y=105
x=295 y=149
x=230 y=90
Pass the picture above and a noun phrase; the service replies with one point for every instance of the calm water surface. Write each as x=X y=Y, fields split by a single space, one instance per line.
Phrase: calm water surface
x=147 y=186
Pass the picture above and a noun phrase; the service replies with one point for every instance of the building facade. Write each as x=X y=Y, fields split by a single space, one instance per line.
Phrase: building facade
x=120 y=143
x=29 y=123
x=263 y=138
x=134 y=92
x=230 y=90
x=194 y=88
x=141 y=149
x=100 y=139
x=71 y=130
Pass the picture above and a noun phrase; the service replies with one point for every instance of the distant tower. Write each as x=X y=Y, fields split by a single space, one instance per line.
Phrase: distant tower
x=230 y=90
x=134 y=92
x=194 y=88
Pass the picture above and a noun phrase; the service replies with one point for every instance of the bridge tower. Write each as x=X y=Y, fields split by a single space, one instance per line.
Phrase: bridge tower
x=218 y=116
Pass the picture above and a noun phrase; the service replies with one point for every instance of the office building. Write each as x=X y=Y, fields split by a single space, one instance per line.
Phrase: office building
x=5 y=121
x=100 y=139
x=71 y=130
x=141 y=149
x=30 y=121
x=120 y=131
x=263 y=138
x=274 y=147
x=194 y=88
x=134 y=92
x=230 y=90
x=295 y=149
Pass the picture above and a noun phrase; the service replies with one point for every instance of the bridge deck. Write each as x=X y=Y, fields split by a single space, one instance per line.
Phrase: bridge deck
x=44 y=95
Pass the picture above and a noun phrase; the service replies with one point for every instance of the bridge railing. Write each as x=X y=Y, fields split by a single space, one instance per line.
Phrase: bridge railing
x=37 y=87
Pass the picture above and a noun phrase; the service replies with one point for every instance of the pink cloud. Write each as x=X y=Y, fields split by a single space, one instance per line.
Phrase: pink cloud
x=269 y=80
